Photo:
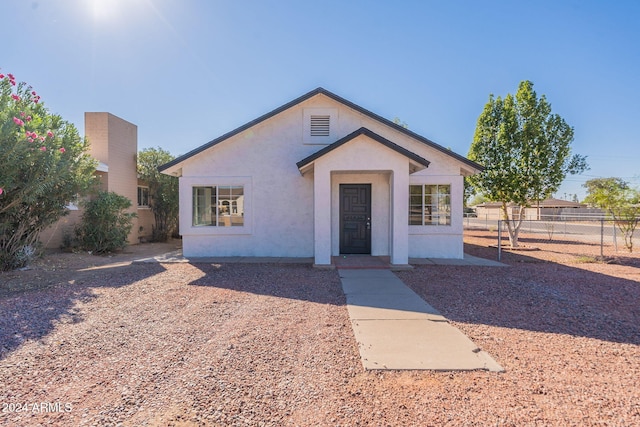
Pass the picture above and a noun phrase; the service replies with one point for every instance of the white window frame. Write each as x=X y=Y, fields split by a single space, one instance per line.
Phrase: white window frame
x=440 y=212
x=143 y=206
x=218 y=210
x=186 y=205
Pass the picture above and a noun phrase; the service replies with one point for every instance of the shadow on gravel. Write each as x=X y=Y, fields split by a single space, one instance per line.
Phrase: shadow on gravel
x=534 y=295
x=292 y=281
x=33 y=314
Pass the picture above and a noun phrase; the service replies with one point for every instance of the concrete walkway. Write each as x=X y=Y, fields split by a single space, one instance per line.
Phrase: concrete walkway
x=396 y=329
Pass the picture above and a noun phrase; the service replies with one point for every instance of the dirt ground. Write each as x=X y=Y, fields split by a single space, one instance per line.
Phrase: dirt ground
x=97 y=340
x=56 y=267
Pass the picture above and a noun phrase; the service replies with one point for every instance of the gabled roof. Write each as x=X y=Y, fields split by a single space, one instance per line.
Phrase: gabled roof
x=362 y=131
x=336 y=98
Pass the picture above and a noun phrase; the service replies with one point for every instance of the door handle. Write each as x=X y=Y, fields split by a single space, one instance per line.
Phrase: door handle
x=368 y=223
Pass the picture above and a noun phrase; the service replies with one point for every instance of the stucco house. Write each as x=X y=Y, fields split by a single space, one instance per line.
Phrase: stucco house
x=319 y=177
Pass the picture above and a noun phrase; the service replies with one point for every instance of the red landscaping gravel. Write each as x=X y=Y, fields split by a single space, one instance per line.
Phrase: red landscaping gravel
x=265 y=344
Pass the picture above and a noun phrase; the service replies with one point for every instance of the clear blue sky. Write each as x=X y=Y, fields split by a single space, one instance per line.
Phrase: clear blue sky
x=187 y=71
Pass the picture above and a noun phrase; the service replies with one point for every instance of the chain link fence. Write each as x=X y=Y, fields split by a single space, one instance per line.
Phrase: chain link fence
x=603 y=236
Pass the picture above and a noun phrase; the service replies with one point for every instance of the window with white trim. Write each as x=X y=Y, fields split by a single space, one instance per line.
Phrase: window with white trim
x=143 y=196
x=430 y=204
x=218 y=206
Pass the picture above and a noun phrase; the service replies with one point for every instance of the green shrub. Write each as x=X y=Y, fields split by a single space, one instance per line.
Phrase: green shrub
x=105 y=223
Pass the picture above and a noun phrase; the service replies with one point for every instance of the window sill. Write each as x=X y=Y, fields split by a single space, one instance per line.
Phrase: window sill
x=212 y=230
x=431 y=229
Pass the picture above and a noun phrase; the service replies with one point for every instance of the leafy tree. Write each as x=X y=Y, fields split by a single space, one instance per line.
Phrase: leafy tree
x=163 y=192
x=616 y=197
x=105 y=223
x=468 y=191
x=477 y=199
x=526 y=152
x=43 y=166
x=400 y=122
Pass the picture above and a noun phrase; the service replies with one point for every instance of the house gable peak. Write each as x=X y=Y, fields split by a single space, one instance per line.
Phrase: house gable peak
x=420 y=162
x=473 y=166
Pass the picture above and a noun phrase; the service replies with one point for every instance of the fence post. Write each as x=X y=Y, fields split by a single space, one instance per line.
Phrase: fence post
x=499 y=240
x=601 y=237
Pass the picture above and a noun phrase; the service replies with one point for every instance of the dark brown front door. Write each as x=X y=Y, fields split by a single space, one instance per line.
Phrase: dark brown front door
x=355 y=218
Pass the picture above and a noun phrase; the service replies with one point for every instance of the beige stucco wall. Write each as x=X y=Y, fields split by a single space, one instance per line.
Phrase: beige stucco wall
x=145 y=223
x=53 y=236
x=114 y=141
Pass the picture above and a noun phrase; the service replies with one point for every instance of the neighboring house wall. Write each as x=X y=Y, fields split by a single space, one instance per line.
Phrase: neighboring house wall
x=114 y=143
x=295 y=212
x=487 y=211
x=581 y=214
x=549 y=209
x=54 y=236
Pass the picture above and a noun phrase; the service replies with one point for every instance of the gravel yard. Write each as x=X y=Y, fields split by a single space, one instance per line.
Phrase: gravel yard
x=101 y=341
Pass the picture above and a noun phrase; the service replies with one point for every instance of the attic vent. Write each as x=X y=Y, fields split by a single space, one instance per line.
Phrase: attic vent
x=320 y=125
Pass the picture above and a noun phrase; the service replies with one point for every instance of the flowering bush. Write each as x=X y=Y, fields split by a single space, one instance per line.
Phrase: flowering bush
x=43 y=167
